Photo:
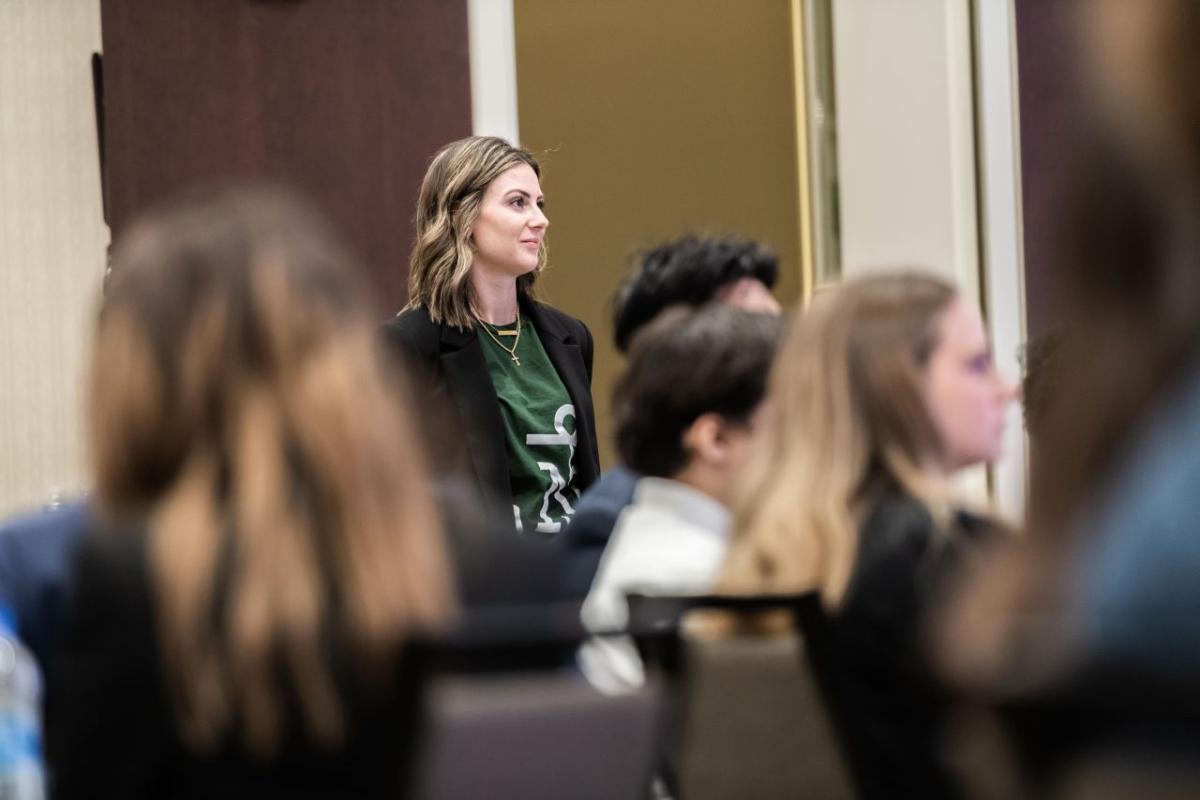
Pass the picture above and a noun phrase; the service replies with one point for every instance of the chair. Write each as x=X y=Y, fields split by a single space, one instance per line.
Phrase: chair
x=748 y=715
x=508 y=716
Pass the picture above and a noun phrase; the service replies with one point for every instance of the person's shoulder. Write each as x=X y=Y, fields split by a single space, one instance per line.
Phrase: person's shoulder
x=615 y=488
x=113 y=554
x=597 y=511
x=412 y=323
x=413 y=331
x=896 y=521
x=38 y=527
x=42 y=541
x=570 y=324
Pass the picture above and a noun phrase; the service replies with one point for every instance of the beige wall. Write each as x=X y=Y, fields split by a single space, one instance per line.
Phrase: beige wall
x=906 y=146
x=52 y=241
x=653 y=119
x=906 y=150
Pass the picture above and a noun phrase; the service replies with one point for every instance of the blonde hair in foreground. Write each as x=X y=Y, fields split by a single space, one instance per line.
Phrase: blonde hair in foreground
x=845 y=407
x=447 y=207
x=237 y=406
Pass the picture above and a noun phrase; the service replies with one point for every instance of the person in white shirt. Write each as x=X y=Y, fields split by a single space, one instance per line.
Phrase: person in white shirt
x=684 y=410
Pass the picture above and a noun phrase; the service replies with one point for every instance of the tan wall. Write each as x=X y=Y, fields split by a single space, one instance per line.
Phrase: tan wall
x=654 y=119
x=52 y=241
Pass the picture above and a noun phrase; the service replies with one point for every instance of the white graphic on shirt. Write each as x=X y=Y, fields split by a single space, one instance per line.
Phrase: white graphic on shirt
x=557 y=484
x=561 y=436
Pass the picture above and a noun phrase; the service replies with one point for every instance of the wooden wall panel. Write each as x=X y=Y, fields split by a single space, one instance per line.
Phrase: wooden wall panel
x=344 y=99
x=1052 y=125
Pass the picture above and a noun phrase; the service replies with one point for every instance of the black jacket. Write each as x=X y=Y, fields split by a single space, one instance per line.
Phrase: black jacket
x=111 y=732
x=113 y=735
x=884 y=700
x=455 y=391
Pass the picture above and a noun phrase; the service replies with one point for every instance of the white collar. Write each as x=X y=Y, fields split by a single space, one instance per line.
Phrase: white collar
x=683 y=501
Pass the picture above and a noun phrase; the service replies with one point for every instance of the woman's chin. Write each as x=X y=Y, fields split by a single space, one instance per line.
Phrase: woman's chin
x=513 y=270
x=522 y=270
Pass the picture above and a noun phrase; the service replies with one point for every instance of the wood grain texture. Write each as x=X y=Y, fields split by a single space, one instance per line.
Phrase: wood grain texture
x=1052 y=125
x=346 y=100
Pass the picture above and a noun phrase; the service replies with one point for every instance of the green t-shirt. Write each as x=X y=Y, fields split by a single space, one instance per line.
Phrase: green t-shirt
x=539 y=428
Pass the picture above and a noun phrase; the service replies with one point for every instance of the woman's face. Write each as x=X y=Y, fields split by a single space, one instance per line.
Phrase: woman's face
x=510 y=228
x=965 y=394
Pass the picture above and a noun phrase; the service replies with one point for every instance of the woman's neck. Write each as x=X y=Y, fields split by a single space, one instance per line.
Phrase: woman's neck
x=495 y=300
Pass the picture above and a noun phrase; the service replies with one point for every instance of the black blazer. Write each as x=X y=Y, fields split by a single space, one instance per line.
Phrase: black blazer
x=449 y=366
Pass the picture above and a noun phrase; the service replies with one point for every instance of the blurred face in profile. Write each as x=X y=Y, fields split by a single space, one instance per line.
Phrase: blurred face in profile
x=966 y=396
x=749 y=294
x=511 y=226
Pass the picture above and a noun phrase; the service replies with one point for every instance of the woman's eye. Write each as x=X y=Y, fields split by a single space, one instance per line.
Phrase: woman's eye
x=518 y=202
x=981 y=363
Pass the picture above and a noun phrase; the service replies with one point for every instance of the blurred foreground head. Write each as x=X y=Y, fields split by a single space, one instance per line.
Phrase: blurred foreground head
x=1128 y=286
x=1128 y=280
x=1143 y=72
x=885 y=380
x=237 y=409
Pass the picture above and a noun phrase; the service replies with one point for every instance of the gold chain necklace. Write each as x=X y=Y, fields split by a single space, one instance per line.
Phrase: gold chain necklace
x=512 y=353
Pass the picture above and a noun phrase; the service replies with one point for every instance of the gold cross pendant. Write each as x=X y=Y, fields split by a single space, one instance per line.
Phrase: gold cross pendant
x=516 y=360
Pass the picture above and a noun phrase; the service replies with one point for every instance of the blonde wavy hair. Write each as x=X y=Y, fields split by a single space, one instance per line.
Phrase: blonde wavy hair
x=447 y=207
x=237 y=409
x=845 y=406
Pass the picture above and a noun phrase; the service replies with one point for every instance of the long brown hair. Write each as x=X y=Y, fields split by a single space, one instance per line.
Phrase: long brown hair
x=447 y=207
x=845 y=405
x=237 y=407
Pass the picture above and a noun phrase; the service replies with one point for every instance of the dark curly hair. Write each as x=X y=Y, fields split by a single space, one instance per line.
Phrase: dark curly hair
x=688 y=271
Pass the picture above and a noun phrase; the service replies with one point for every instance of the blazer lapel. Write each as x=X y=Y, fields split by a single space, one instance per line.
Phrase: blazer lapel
x=474 y=396
x=567 y=357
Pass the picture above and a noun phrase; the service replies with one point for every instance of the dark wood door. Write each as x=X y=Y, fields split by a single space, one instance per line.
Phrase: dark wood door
x=345 y=100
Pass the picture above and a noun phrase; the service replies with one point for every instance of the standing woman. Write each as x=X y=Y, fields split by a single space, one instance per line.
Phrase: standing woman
x=884 y=389
x=515 y=374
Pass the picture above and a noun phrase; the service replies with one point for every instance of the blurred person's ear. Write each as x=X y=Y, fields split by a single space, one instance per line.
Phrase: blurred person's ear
x=713 y=440
x=750 y=294
x=701 y=438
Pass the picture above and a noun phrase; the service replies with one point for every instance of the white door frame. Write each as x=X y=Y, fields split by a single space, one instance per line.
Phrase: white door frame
x=492 y=37
x=1002 y=267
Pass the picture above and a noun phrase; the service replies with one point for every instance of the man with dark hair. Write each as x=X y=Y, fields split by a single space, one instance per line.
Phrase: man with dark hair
x=693 y=271
x=690 y=271
x=685 y=410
